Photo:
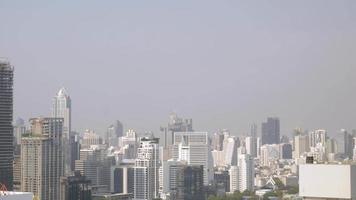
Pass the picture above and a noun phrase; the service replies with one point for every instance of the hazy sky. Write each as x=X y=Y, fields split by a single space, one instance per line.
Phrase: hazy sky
x=223 y=63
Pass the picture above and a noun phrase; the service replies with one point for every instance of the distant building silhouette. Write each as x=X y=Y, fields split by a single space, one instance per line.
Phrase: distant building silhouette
x=271 y=131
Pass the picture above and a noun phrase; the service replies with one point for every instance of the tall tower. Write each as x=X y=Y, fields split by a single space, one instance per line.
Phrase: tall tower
x=246 y=172
x=271 y=131
x=6 y=129
x=146 y=170
x=41 y=158
x=62 y=109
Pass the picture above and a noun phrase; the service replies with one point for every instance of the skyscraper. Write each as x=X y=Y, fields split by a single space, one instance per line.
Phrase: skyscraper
x=113 y=133
x=246 y=172
x=62 y=109
x=146 y=170
x=177 y=124
x=19 y=129
x=41 y=158
x=6 y=129
x=271 y=131
x=348 y=143
x=190 y=183
x=301 y=145
x=193 y=147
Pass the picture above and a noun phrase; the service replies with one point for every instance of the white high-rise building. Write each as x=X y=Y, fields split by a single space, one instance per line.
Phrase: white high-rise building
x=61 y=108
x=301 y=145
x=41 y=158
x=146 y=170
x=317 y=137
x=234 y=178
x=251 y=146
x=246 y=172
x=230 y=151
x=193 y=147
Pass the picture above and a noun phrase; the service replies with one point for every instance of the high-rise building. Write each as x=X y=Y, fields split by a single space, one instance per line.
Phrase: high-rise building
x=90 y=138
x=271 y=131
x=251 y=146
x=17 y=173
x=95 y=165
x=217 y=141
x=41 y=158
x=301 y=145
x=113 y=133
x=246 y=172
x=177 y=124
x=75 y=188
x=190 y=183
x=122 y=179
x=6 y=129
x=146 y=170
x=61 y=108
x=234 y=178
x=74 y=148
x=19 y=130
x=193 y=147
x=168 y=183
x=222 y=180
x=230 y=150
x=317 y=137
x=286 y=151
x=253 y=130
x=348 y=143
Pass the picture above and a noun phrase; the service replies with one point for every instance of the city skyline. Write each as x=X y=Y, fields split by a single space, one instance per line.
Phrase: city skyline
x=226 y=66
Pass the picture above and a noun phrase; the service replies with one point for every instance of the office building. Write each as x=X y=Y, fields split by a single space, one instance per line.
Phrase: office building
x=61 y=108
x=177 y=124
x=271 y=131
x=193 y=147
x=41 y=158
x=234 y=178
x=122 y=179
x=74 y=148
x=90 y=138
x=317 y=137
x=348 y=143
x=301 y=145
x=168 y=183
x=190 y=183
x=286 y=151
x=246 y=172
x=19 y=130
x=251 y=146
x=6 y=129
x=222 y=181
x=113 y=133
x=75 y=187
x=146 y=170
